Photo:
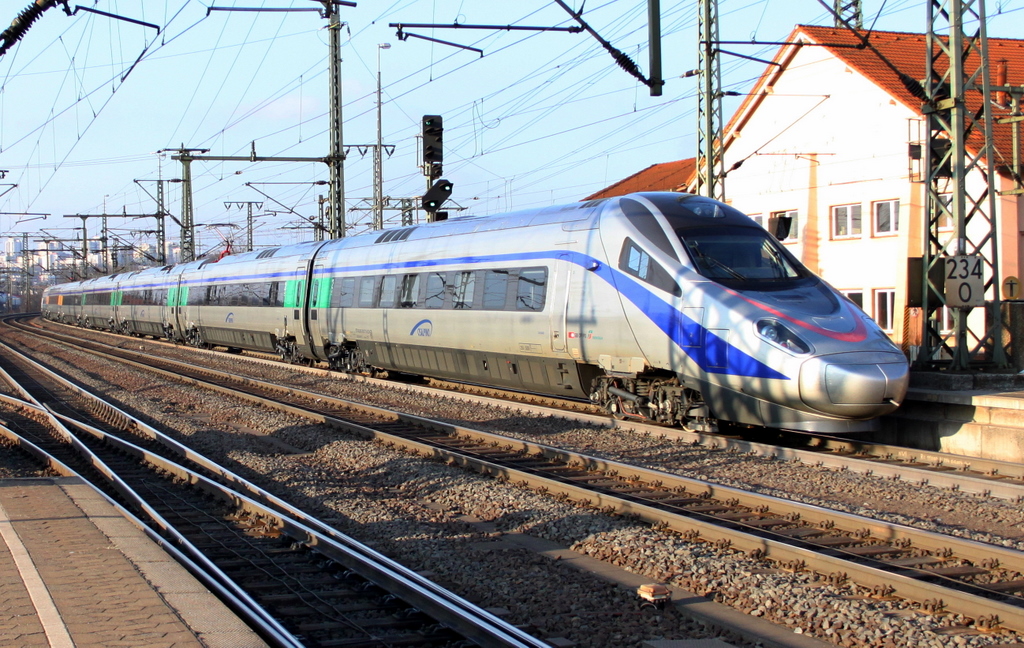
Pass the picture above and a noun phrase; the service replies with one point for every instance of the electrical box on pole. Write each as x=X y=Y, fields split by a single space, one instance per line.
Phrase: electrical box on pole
x=433 y=145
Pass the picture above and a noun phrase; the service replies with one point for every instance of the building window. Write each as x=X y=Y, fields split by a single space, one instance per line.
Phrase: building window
x=845 y=221
x=757 y=218
x=794 y=224
x=856 y=296
x=887 y=216
x=885 y=302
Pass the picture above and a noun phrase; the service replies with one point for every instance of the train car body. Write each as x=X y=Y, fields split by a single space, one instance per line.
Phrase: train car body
x=255 y=300
x=142 y=306
x=661 y=306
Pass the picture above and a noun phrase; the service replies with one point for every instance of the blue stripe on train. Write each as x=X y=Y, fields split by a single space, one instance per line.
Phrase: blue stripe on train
x=714 y=355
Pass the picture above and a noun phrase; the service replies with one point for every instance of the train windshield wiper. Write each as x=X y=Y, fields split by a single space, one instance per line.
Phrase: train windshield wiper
x=711 y=262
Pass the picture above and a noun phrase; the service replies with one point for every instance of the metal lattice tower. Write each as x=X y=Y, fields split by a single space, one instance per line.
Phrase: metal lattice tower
x=336 y=227
x=710 y=174
x=188 y=230
x=951 y=125
x=848 y=12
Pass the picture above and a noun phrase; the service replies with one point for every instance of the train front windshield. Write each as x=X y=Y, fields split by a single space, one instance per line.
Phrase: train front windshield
x=725 y=246
x=738 y=254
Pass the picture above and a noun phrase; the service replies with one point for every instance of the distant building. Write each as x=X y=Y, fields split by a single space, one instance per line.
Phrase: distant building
x=824 y=137
x=667 y=176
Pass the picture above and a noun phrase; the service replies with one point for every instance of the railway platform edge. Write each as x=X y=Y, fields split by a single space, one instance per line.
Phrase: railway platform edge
x=79 y=573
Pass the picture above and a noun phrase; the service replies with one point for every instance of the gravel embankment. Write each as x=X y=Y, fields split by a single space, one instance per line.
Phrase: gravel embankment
x=410 y=509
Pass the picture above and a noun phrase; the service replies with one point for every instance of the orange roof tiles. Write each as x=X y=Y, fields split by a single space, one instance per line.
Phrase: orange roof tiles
x=906 y=53
x=667 y=176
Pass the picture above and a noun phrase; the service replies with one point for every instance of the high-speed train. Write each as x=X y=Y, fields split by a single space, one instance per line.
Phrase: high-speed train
x=662 y=306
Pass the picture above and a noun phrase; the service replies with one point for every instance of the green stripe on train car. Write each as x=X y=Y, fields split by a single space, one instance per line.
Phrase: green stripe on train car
x=294 y=290
x=322 y=292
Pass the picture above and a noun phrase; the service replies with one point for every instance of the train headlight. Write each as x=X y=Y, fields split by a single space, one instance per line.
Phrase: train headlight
x=775 y=332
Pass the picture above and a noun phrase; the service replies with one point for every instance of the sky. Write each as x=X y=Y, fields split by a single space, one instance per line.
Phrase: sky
x=87 y=104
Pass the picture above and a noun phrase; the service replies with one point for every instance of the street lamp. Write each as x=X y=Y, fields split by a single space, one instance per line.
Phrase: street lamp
x=378 y=156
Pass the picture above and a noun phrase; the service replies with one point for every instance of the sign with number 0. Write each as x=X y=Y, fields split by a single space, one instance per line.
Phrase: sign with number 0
x=965 y=281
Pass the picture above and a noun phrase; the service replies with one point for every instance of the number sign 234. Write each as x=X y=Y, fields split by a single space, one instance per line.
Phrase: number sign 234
x=965 y=281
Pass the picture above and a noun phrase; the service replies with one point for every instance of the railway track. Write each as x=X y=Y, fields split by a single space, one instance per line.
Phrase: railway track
x=940 y=572
x=294 y=579
x=986 y=477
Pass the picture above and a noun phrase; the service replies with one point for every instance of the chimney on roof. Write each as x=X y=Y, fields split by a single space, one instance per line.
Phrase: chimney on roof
x=1002 y=99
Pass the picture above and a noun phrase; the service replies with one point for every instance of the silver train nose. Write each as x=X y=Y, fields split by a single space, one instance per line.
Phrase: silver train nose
x=856 y=384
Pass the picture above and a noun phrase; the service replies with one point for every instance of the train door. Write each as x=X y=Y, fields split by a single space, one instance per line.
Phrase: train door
x=295 y=291
x=561 y=280
x=320 y=289
x=177 y=302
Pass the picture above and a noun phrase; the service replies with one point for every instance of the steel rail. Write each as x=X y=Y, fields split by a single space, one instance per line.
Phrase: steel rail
x=465 y=618
x=988 y=478
x=786 y=552
x=174 y=552
x=243 y=604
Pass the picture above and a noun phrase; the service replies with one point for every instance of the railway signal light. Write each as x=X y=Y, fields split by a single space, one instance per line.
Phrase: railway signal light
x=433 y=145
x=436 y=196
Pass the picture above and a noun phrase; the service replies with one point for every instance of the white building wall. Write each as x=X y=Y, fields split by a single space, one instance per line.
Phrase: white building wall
x=825 y=136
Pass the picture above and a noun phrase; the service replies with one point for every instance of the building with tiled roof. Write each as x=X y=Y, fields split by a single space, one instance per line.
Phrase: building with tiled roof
x=667 y=176
x=825 y=137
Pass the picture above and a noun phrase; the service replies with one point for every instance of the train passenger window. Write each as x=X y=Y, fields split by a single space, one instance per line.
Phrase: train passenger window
x=634 y=261
x=495 y=289
x=273 y=294
x=465 y=288
x=531 y=288
x=387 y=292
x=344 y=294
x=196 y=296
x=410 y=290
x=435 y=290
x=366 y=290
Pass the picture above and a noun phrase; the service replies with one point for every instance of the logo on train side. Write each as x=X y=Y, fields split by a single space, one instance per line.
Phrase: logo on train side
x=229 y=318
x=422 y=328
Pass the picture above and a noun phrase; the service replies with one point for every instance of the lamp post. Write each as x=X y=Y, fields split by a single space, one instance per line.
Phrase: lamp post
x=378 y=155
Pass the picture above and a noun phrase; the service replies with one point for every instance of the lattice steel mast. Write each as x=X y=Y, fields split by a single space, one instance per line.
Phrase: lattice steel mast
x=959 y=145
x=848 y=13
x=710 y=174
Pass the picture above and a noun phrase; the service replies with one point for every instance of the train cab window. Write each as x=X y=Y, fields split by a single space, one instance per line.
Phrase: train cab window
x=636 y=262
x=367 y=286
x=531 y=289
x=436 y=282
x=740 y=255
x=465 y=289
x=387 y=292
x=495 y=289
x=410 y=290
x=344 y=294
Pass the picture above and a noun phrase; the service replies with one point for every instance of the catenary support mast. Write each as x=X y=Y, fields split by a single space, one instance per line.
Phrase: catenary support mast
x=961 y=184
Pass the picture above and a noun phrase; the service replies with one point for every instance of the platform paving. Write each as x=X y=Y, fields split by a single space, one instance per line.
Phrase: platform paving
x=75 y=572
